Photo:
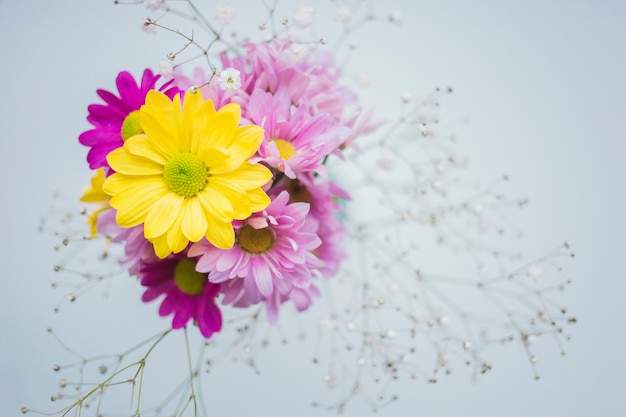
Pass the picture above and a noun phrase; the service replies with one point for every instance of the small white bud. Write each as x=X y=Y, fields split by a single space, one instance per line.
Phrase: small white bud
x=166 y=69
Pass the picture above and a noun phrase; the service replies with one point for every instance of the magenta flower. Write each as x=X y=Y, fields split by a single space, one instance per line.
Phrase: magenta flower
x=117 y=120
x=273 y=255
x=188 y=294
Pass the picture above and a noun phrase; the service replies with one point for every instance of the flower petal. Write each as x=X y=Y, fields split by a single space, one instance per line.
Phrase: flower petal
x=216 y=206
x=258 y=200
x=236 y=195
x=221 y=235
x=194 y=221
x=247 y=175
x=141 y=145
x=134 y=203
x=176 y=240
x=162 y=215
x=125 y=163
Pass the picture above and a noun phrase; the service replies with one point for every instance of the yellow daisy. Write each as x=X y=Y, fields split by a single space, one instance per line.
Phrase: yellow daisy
x=187 y=176
x=94 y=194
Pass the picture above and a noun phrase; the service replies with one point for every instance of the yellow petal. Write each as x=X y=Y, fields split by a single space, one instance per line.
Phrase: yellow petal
x=162 y=215
x=236 y=195
x=94 y=194
x=258 y=200
x=194 y=221
x=248 y=176
x=220 y=132
x=215 y=205
x=221 y=235
x=141 y=145
x=134 y=202
x=199 y=123
x=182 y=135
x=234 y=109
x=175 y=238
x=118 y=183
x=161 y=248
x=212 y=156
x=246 y=142
x=158 y=127
x=124 y=163
x=157 y=99
x=92 y=220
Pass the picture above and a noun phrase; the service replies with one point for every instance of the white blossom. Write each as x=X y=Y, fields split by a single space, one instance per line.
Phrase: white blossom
x=166 y=69
x=304 y=16
x=343 y=14
x=224 y=14
x=153 y=4
x=230 y=79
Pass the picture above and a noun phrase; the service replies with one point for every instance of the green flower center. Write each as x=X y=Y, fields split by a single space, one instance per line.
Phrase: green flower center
x=285 y=149
x=131 y=125
x=188 y=279
x=254 y=240
x=186 y=175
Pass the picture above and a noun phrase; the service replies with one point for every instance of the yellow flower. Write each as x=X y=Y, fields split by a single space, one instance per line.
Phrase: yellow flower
x=187 y=176
x=94 y=194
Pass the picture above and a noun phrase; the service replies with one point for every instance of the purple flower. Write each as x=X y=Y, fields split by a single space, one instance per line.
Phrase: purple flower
x=117 y=120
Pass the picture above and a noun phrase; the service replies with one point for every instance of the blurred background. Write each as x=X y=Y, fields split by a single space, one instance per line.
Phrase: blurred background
x=539 y=93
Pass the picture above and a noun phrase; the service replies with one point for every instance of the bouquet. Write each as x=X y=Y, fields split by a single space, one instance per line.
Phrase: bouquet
x=244 y=178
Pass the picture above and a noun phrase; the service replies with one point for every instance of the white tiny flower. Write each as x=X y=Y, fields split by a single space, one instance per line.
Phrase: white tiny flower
x=219 y=47
x=304 y=16
x=535 y=272
x=343 y=14
x=363 y=79
x=229 y=79
x=387 y=161
x=224 y=14
x=166 y=69
x=153 y=4
x=298 y=50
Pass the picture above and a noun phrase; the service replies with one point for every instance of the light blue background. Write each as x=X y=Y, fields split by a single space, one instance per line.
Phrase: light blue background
x=544 y=86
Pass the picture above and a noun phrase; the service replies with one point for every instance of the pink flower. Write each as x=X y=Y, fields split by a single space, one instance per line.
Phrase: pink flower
x=324 y=198
x=272 y=257
x=116 y=120
x=295 y=142
x=188 y=294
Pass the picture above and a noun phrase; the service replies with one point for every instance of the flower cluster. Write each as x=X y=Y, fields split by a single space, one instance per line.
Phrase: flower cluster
x=217 y=186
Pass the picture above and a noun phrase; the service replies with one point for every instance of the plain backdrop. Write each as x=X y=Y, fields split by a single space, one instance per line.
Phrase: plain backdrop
x=543 y=85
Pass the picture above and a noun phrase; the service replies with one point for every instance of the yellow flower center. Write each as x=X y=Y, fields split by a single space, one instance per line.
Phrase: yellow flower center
x=186 y=175
x=285 y=149
x=131 y=125
x=254 y=240
x=188 y=279
x=298 y=193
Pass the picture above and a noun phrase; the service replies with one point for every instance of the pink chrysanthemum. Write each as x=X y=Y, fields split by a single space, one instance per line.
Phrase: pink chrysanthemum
x=235 y=293
x=272 y=256
x=295 y=142
x=117 y=120
x=324 y=198
x=188 y=293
